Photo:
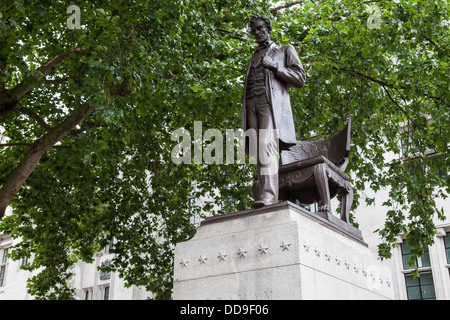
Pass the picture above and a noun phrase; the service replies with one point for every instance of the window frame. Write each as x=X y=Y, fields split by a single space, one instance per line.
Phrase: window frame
x=5 y=256
x=3 y=264
x=446 y=239
x=407 y=271
x=2 y=275
x=106 y=291
x=418 y=262
x=420 y=286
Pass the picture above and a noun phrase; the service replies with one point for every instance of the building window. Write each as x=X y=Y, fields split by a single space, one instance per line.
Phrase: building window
x=111 y=244
x=2 y=275
x=435 y=165
x=88 y=294
x=193 y=206
x=194 y=216
x=24 y=261
x=447 y=247
x=3 y=267
x=228 y=205
x=406 y=145
x=438 y=167
x=5 y=256
x=420 y=262
x=420 y=288
x=106 y=293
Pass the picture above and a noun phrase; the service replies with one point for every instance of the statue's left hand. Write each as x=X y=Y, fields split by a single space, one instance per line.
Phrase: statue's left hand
x=268 y=62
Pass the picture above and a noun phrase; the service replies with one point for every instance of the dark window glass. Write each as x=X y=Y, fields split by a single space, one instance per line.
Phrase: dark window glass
x=420 y=288
x=106 y=295
x=421 y=262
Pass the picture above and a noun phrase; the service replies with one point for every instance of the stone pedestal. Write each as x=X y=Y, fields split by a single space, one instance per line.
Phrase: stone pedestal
x=278 y=252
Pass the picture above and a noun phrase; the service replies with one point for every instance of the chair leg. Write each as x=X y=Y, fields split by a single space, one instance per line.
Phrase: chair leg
x=346 y=204
x=321 y=179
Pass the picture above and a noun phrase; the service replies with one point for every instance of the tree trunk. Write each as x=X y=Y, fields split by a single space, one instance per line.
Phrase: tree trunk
x=40 y=147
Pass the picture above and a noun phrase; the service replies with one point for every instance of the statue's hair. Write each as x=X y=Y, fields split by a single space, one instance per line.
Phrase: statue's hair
x=266 y=21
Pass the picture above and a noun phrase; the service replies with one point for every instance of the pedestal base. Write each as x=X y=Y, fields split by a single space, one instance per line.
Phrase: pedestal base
x=277 y=252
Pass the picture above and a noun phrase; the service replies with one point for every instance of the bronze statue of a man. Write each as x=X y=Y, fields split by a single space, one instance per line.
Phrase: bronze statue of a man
x=267 y=107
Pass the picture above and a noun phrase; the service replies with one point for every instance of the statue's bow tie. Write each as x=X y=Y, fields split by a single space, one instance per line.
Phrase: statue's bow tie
x=263 y=46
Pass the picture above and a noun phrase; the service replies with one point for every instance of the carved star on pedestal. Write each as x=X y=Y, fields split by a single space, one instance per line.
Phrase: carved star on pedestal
x=202 y=259
x=242 y=252
x=221 y=256
x=338 y=261
x=184 y=263
x=263 y=249
x=285 y=245
x=317 y=251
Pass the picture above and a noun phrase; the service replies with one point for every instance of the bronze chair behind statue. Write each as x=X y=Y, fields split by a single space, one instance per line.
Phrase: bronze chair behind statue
x=314 y=170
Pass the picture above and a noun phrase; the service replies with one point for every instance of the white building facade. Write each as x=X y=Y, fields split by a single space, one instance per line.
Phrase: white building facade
x=433 y=266
x=89 y=283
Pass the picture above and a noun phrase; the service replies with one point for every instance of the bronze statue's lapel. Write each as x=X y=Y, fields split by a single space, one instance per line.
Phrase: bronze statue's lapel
x=273 y=48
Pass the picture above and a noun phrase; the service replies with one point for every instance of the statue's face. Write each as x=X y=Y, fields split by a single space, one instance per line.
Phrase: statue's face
x=259 y=30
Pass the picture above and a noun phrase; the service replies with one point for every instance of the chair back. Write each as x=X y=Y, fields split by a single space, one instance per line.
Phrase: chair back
x=336 y=149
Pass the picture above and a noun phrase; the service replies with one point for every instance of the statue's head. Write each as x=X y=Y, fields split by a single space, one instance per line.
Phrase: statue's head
x=260 y=28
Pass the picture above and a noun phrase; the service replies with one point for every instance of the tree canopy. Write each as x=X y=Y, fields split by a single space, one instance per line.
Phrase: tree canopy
x=87 y=113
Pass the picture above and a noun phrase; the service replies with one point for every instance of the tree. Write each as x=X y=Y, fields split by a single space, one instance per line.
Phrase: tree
x=87 y=116
x=394 y=80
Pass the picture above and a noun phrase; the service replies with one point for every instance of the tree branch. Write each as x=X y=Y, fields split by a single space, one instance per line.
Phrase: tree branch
x=120 y=90
x=396 y=104
x=365 y=75
x=331 y=17
x=41 y=146
x=304 y=34
x=47 y=127
x=434 y=44
x=4 y=145
x=230 y=33
x=22 y=88
x=9 y=98
x=38 y=149
x=383 y=83
x=35 y=117
x=284 y=6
